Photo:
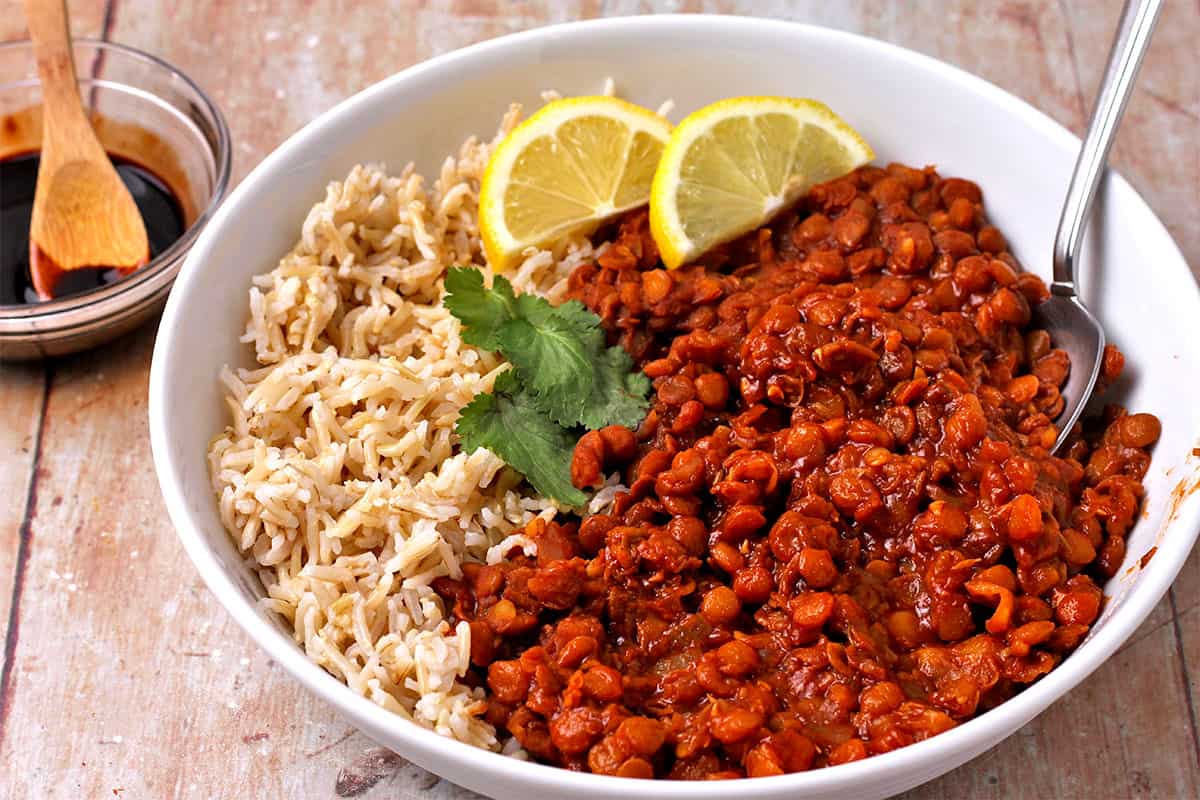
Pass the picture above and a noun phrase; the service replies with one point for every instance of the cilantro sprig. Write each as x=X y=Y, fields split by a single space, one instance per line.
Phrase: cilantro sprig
x=563 y=379
x=528 y=441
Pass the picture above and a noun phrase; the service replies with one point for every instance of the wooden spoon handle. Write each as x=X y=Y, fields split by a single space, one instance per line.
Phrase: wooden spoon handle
x=64 y=120
x=83 y=215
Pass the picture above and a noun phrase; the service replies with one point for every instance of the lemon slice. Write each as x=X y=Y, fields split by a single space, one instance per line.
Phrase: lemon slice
x=733 y=165
x=573 y=164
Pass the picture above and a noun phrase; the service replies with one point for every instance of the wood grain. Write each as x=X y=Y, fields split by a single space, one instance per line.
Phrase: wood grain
x=118 y=635
x=22 y=394
x=87 y=20
x=1156 y=147
x=24 y=391
x=107 y=700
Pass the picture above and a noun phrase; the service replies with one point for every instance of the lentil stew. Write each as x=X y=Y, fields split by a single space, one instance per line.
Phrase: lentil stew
x=843 y=531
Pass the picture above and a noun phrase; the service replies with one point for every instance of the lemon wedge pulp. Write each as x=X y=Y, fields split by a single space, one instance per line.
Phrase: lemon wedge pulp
x=731 y=166
x=575 y=163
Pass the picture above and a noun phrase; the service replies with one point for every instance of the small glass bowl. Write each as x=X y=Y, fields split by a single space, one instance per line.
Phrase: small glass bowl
x=143 y=109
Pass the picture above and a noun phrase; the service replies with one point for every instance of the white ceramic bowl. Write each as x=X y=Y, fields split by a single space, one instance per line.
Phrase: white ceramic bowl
x=911 y=108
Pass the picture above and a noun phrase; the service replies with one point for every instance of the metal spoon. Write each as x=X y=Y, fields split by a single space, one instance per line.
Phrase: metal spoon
x=1070 y=325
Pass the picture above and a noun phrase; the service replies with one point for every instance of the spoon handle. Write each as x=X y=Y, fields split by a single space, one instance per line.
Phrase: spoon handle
x=1129 y=46
x=63 y=116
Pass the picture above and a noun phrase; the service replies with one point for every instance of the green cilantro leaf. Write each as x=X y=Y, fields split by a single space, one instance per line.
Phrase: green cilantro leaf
x=572 y=313
x=483 y=312
x=554 y=353
x=564 y=377
x=507 y=423
x=620 y=394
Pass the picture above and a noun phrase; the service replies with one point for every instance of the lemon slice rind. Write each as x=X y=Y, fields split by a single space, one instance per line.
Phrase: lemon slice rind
x=733 y=165
x=572 y=165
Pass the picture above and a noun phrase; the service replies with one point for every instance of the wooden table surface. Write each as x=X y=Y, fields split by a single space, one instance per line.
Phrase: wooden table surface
x=123 y=677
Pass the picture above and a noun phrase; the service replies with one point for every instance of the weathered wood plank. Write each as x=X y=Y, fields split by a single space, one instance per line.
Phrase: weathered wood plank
x=1156 y=147
x=87 y=20
x=136 y=704
x=22 y=392
x=1187 y=628
x=288 y=61
x=1185 y=600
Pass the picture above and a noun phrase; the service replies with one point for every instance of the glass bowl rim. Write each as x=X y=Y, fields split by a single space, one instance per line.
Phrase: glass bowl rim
x=24 y=319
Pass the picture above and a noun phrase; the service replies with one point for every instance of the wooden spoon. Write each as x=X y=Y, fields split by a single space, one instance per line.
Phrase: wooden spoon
x=83 y=216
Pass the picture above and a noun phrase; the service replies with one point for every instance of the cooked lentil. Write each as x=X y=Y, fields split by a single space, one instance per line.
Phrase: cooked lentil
x=844 y=532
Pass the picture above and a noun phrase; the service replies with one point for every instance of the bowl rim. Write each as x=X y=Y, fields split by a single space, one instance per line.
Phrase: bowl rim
x=21 y=320
x=924 y=758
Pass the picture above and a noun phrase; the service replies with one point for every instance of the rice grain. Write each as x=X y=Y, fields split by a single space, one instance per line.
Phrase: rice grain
x=338 y=475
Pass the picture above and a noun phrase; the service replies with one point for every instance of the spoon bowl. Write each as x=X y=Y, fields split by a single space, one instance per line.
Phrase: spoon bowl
x=1074 y=329
x=1071 y=326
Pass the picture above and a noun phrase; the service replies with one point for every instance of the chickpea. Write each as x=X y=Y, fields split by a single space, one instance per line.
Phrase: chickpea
x=720 y=606
x=712 y=390
x=732 y=724
x=508 y=681
x=1139 y=430
x=644 y=735
x=603 y=683
x=737 y=658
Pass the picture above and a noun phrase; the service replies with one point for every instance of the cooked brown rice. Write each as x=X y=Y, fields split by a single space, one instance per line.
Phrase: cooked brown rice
x=337 y=475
